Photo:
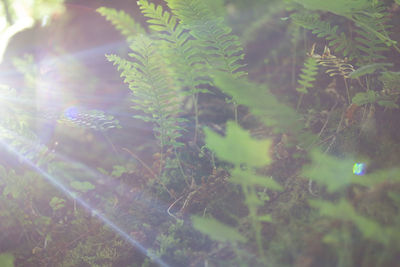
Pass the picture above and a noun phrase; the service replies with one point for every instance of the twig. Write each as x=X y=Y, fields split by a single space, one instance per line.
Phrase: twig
x=150 y=171
x=141 y=162
x=170 y=207
x=180 y=167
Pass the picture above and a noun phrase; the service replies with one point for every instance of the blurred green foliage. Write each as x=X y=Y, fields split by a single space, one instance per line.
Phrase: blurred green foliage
x=261 y=183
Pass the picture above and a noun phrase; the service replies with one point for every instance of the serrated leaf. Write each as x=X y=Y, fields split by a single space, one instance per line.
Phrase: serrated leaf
x=238 y=147
x=82 y=186
x=57 y=203
x=333 y=172
x=364 y=98
x=260 y=101
x=344 y=211
x=368 y=69
x=118 y=170
x=217 y=230
x=388 y=103
x=249 y=178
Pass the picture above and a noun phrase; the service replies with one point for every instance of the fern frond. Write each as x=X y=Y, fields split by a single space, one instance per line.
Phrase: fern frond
x=372 y=35
x=154 y=91
x=124 y=23
x=308 y=75
x=372 y=38
x=222 y=49
x=261 y=102
x=391 y=81
x=323 y=29
x=338 y=7
x=14 y=129
x=181 y=53
x=335 y=66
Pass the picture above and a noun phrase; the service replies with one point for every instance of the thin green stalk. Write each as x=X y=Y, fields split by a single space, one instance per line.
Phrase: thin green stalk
x=235 y=107
x=299 y=101
x=347 y=91
x=196 y=116
x=249 y=192
x=180 y=167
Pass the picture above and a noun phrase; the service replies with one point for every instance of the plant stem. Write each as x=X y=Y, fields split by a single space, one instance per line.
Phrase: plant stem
x=235 y=106
x=158 y=178
x=180 y=167
x=196 y=116
x=299 y=101
x=347 y=91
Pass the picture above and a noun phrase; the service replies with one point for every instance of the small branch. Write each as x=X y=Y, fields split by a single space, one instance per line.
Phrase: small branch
x=170 y=207
x=180 y=167
x=150 y=171
x=141 y=162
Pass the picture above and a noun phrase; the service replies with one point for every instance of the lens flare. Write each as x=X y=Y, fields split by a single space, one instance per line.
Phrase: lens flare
x=84 y=204
x=359 y=168
x=71 y=113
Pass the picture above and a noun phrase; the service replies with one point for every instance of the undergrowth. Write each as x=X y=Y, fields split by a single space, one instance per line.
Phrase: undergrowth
x=305 y=179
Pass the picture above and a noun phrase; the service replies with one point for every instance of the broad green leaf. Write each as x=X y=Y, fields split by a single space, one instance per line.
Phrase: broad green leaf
x=249 y=178
x=118 y=170
x=265 y=218
x=377 y=177
x=57 y=203
x=261 y=103
x=217 y=230
x=368 y=69
x=12 y=189
x=6 y=260
x=390 y=80
x=389 y=103
x=82 y=186
x=365 y=98
x=344 y=211
x=333 y=172
x=238 y=147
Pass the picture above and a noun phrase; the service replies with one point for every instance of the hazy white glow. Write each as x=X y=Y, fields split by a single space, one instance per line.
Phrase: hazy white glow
x=55 y=182
x=23 y=20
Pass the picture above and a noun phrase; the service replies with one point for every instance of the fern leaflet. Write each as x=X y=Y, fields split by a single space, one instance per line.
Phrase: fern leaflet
x=122 y=22
x=324 y=29
x=153 y=90
x=309 y=72
x=183 y=56
x=221 y=48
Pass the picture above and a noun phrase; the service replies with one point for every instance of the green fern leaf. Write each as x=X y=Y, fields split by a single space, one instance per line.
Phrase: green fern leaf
x=238 y=147
x=221 y=48
x=183 y=56
x=323 y=29
x=308 y=75
x=153 y=89
x=368 y=69
x=122 y=22
x=339 y=7
x=391 y=81
x=260 y=101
